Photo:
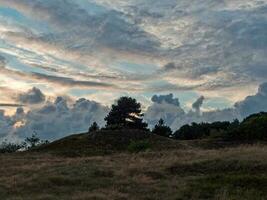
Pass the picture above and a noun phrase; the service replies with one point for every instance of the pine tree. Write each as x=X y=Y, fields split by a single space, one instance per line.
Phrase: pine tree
x=126 y=113
x=94 y=127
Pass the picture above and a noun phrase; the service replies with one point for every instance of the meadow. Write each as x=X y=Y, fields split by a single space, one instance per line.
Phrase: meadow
x=193 y=171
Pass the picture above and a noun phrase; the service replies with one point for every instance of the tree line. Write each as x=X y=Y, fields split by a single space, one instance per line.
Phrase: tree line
x=127 y=114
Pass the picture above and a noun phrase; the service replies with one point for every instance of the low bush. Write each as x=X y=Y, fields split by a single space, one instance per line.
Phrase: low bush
x=6 y=147
x=139 y=146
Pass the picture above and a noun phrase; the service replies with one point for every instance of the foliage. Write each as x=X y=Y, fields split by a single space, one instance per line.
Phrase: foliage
x=94 y=127
x=162 y=129
x=6 y=147
x=252 y=128
x=32 y=141
x=202 y=130
x=138 y=146
x=126 y=114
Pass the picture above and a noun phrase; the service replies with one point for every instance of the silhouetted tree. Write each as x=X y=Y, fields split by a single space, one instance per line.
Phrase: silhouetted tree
x=252 y=128
x=126 y=114
x=162 y=129
x=202 y=130
x=33 y=141
x=94 y=127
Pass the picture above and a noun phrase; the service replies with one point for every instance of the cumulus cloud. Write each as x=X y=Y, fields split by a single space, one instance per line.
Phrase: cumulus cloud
x=198 y=103
x=32 y=96
x=175 y=116
x=58 y=119
x=166 y=98
x=52 y=119
x=254 y=104
x=163 y=107
x=6 y=124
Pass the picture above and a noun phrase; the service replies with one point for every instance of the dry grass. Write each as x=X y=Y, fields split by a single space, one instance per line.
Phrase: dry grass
x=194 y=173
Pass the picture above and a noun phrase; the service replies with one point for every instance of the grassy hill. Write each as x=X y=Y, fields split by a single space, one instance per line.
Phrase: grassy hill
x=100 y=166
x=107 y=142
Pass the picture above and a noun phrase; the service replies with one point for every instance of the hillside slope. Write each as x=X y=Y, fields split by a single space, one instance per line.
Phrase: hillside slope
x=106 y=142
x=222 y=174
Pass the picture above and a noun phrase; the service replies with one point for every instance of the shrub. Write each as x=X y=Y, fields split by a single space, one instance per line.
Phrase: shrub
x=162 y=129
x=94 y=127
x=6 y=147
x=139 y=146
x=33 y=141
x=202 y=130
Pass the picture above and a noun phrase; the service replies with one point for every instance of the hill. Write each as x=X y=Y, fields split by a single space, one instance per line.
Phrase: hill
x=100 y=166
x=186 y=173
x=107 y=142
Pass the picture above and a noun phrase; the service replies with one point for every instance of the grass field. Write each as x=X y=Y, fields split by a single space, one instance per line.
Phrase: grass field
x=186 y=173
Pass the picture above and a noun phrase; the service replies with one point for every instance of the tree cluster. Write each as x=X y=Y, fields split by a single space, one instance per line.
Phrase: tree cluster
x=127 y=114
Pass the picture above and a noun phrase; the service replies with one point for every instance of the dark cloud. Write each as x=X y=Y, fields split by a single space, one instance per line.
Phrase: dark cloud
x=65 y=81
x=166 y=98
x=10 y=105
x=32 y=96
x=198 y=103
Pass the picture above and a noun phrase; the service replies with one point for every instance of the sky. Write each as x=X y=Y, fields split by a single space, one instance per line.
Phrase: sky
x=209 y=54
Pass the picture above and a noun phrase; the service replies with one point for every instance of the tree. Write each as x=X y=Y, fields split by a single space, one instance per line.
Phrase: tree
x=162 y=129
x=33 y=141
x=126 y=113
x=94 y=127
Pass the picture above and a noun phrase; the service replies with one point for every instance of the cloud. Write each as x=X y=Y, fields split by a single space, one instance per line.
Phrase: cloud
x=6 y=125
x=175 y=116
x=10 y=105
x=53 y=79
x=65 y=81
x=198 y=103
x=219 y=44
x=58 y=119
x=105 y=28
x=32 y=96
x=214 y=48
x=166 y=98
x=163 y=107
x=254 y=104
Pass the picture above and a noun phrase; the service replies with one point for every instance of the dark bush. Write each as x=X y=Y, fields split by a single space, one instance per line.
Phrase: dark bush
x=94 y=127
x=139 y=146
x=252 y=128
x=162 y=129
x=6 y=147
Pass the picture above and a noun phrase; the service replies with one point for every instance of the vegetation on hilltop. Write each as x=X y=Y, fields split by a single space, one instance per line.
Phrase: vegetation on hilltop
x=126 y=113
